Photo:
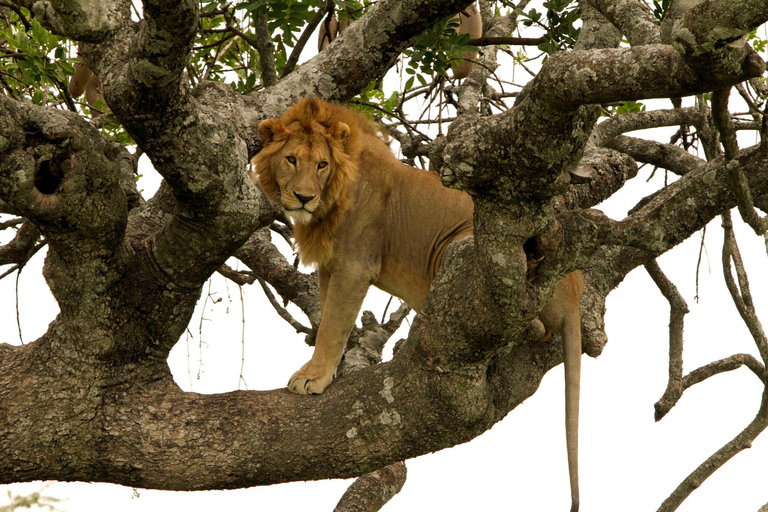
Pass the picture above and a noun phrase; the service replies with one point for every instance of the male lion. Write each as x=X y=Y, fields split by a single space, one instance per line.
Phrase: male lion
x=363 y=217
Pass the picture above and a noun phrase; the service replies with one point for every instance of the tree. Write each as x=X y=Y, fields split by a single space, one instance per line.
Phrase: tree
x=93 y=398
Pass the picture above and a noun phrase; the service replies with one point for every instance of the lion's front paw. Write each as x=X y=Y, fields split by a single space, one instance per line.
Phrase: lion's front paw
x=309 y=382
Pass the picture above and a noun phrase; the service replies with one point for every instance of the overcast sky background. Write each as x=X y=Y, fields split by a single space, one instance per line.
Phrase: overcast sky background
x=628 y=462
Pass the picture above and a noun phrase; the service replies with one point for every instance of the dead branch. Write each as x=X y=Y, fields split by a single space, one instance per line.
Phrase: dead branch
x=741 y=295
x=284 y=314
x=741 y=190
x=677 y=311
x=267 y=263
x=743 y=301
x=238 y=277
x=667 y=156
x=727 y=364
x=719 y=458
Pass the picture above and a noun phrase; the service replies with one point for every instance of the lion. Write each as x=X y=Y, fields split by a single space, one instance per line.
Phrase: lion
x=362 y=217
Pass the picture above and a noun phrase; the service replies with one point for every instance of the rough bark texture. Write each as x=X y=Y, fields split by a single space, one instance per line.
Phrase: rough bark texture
x=93 y=398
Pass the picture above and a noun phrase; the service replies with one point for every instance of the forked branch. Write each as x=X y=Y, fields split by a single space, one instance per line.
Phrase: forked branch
x=743 y=301
x=738 y=179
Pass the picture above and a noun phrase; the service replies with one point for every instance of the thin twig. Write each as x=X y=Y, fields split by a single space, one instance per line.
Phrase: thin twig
x=241 y=379
x=514 y=41
x=284 y=314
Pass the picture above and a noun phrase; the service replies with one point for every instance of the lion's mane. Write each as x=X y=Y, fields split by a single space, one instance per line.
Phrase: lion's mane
x=320 y=121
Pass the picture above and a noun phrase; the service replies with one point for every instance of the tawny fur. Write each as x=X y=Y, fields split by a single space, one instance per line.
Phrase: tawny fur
x=374 y=220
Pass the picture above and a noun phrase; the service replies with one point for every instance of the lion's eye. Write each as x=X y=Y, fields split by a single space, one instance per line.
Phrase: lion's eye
x=322 y=165
x=291 y=160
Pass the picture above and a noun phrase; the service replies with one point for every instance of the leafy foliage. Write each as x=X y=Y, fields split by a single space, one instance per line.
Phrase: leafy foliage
x=36 y=63
x=436 y=50
x=559 y=24
x=660 y=9
x=627 y=107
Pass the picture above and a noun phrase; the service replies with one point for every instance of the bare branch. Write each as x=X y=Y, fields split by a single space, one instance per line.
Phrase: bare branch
x=741 y=295
x=239 y=278
x=718 y=459
x=607 y=130
x=514 y=41
x=741 y=189
x=727 y=364
x=722 y=119
x=284 y=314
x=677 y=311
x=667 y=156
x=267 y=263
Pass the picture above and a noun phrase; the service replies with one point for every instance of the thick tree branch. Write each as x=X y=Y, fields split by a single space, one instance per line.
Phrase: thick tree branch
x=606 y=170
x=632 y=18
x=371 y=492
x=82 y=20
x=657 y=71
x=266 y=52
x=660 y=222
x=363 y=52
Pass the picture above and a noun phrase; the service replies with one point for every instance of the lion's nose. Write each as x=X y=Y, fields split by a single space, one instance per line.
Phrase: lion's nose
x=304 y=199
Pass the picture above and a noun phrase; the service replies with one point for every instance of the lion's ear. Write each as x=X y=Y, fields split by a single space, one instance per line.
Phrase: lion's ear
x=341 y=132
x=271 y=129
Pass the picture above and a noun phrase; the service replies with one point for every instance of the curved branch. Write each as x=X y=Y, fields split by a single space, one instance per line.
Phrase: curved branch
x=612 y=127
x=677 y=311
x=371 y=492
x=666 y=156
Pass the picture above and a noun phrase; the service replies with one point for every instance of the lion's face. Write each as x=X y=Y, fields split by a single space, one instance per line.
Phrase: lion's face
x=301 y=169
x=296 y=167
